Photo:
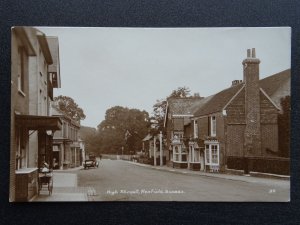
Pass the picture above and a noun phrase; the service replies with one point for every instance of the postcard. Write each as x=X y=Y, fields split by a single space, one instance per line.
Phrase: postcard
x=150 y=114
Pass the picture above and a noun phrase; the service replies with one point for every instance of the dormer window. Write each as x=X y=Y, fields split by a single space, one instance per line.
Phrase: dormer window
x=213 y=125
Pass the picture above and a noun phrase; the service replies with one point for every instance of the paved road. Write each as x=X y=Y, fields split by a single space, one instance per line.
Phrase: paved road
x=117 y=180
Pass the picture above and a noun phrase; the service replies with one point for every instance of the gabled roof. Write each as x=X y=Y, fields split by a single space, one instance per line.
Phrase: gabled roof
x=275 y=86
x=183 y=107
x=216 y=103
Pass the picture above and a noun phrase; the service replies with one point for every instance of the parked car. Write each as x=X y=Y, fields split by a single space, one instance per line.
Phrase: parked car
x=90 y=163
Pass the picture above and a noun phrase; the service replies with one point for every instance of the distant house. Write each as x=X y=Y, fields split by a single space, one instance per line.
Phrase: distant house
x=34 y=74
x=67 y=148
x=236 y=128
x=151 y=148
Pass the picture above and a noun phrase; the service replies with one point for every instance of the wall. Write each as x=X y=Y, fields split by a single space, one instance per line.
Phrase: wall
x=19 y=103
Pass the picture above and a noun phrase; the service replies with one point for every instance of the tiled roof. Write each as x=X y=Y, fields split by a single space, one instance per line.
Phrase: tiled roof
x=183 y=106
x=215 y=103
x=276 y=86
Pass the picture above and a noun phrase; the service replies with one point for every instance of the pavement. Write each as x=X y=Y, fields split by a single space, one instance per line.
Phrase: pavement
x=251 y=178
x=64 y=188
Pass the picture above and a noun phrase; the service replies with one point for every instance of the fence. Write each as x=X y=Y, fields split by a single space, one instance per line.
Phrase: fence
x=115 y=157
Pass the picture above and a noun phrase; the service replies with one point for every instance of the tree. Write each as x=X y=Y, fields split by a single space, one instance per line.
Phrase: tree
x=180 y=92
x=69 y=107
x=123 y=127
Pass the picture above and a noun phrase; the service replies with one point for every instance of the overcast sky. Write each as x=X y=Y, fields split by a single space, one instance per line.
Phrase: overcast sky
x=133 y=67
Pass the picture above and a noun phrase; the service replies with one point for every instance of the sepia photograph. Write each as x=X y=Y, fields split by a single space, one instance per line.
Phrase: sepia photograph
x=150 y=114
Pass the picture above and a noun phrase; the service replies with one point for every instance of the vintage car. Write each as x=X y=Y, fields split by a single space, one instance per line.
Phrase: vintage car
x=90 y=163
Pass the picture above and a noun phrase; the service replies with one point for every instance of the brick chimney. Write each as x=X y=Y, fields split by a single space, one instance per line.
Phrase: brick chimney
x=252 y=136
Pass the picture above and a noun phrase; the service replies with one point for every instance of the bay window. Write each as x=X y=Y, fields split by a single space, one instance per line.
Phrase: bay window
x=179 y=153
x=212 y=154
x=194 y=154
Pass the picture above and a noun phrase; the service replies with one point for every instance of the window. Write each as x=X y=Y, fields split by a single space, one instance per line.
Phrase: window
x=179 y=154
x=194 y=154
x=176 y=153
x=212 y=154
x=21 y=70
x=195 y=129
x=213 y=126
x=178 y=134
x=207 y=154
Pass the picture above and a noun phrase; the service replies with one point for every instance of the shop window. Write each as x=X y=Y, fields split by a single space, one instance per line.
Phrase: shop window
x=179 y=154
x=194 y=154
x=212 y=154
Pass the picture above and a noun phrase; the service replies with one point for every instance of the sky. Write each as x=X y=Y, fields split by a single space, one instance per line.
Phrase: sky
x=133 y=67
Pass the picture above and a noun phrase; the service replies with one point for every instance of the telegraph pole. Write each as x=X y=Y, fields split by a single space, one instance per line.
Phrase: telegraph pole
x=154 y=151
x=160 y=147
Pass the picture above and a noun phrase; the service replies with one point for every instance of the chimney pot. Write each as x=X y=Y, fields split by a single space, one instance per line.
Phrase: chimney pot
x=253 y=53
x=248 y=53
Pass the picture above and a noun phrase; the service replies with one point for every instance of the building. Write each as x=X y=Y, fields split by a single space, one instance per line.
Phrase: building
x=179 y=112
x=67 y=148
x=32 y=83
x=154 y=150
x=236 y=128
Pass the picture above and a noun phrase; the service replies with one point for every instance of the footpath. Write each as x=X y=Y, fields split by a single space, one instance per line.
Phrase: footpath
x=252 y=178
x=64 y=188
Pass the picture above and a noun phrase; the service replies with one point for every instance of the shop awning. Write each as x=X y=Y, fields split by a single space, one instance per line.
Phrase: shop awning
x=39 y=122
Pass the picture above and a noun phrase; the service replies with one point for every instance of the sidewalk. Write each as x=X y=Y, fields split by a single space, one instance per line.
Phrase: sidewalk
x=64 y=189
x=244 y=178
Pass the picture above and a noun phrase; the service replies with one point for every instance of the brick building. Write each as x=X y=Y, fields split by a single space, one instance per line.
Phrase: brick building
x=236 y=128
x=179 y=112
x=32 y=83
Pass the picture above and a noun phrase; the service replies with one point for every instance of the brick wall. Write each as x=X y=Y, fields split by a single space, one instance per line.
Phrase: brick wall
x=19 y=103
x=235 y=140
x=203 y=129
x=236 y=109
x=268 y=112
x=269 y=143
x=220 y=127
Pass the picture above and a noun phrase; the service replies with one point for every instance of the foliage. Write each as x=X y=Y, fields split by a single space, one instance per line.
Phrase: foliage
x=89 y=136
x=69 y=107
x=122 y=127
x=180 y=92
x=284 y=127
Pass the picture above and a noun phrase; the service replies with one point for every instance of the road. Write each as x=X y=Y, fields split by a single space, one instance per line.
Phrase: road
x=117 y=180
